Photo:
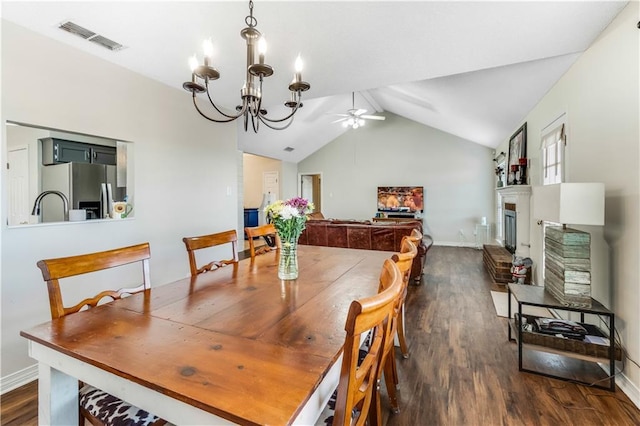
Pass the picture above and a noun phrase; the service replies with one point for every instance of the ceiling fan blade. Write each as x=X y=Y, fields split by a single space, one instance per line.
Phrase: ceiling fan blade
x=360 y=111
x=339 y=120
x=338 y=115
x=373 y=117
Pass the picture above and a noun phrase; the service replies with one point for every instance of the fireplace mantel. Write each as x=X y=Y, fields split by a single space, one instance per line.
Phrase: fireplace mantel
x=520 y=195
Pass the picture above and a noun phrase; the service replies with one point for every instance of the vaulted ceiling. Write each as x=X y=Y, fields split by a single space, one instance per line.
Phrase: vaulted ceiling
x=473 y=69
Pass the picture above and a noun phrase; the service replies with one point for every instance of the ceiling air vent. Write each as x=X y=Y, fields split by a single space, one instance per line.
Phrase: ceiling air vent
x=76 y=29
x=289 y=149
x=105 y=42
x=89 y=35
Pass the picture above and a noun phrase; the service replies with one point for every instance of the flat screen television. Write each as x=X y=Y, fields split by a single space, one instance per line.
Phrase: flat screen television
x=408 y=199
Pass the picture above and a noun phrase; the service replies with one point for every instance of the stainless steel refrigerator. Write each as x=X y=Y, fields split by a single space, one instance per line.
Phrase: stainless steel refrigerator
x=92 y=187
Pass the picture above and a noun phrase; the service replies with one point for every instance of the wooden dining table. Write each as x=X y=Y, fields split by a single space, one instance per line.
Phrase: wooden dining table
x=235 y=345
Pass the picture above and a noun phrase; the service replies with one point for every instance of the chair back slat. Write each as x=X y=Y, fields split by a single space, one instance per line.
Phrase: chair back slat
x=262 y=231
x=55 y=269
x=205 y=241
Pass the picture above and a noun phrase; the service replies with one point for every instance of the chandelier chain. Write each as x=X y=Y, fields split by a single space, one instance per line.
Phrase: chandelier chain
x=250 y=20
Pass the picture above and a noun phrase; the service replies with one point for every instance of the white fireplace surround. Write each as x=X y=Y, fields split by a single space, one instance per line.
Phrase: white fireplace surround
x=520 y=195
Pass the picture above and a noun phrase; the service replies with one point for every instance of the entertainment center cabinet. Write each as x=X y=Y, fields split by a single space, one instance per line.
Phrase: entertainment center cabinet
x=528 y=295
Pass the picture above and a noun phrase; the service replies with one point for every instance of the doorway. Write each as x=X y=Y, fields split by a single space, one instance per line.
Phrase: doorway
x=311 y=189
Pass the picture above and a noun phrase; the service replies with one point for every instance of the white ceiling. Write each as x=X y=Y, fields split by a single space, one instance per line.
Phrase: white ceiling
x=473 y=69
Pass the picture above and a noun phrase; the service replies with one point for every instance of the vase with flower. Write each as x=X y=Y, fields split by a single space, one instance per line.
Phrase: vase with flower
x=289 y=218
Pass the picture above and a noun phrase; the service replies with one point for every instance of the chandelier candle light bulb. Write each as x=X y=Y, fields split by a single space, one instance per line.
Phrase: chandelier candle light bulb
x=262 y=49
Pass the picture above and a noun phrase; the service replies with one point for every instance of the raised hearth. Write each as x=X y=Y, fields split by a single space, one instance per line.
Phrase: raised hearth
x=498 y=261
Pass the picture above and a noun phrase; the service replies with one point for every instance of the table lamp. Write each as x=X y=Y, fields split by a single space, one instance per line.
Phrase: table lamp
x=568 y=251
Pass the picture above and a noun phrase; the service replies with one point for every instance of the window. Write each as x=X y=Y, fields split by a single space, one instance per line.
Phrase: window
x=553 y=170
x=553 y=143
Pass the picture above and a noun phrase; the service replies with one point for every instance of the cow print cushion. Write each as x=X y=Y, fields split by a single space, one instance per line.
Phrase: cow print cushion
x=113 y=411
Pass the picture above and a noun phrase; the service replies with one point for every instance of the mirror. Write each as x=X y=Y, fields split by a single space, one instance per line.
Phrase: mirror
x=55 y=175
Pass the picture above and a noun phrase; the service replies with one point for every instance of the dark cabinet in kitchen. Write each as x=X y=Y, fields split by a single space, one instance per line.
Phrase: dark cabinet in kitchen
x=56 y=151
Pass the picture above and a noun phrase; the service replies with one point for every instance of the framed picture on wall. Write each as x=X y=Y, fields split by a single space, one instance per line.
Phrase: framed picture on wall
x=516 y=164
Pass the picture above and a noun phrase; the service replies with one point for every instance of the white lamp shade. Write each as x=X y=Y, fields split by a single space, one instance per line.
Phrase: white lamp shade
x=569 y=203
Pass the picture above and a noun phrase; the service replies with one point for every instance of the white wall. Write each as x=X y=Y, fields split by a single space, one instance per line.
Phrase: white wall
x=600 y=95
x=183 y=166
x=457 y=175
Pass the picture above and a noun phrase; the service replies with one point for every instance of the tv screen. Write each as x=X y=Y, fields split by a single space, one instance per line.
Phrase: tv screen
x=400 y=199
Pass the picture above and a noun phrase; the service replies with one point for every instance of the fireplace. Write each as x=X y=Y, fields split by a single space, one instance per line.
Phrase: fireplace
x=515 y=201
x=510 y=227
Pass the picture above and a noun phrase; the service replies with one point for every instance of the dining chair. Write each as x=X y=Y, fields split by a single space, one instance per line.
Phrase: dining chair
x=207 y=241
x=268 y=232
x=403 y=261
x=97 y=406
x=416 y=237
x=368 y=328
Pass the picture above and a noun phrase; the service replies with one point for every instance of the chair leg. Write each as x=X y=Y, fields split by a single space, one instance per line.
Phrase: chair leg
x=401 y=338
x=375 y=411
x=394 y=367
x=391 y=386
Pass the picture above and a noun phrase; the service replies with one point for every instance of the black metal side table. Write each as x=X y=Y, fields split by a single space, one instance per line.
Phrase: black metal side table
x=528 y=295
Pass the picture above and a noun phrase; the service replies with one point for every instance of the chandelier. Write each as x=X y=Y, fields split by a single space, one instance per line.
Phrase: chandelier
x=251 y=93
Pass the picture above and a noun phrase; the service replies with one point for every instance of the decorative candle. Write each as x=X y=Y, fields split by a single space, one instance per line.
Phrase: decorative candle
x=298 y=65
x=262 y=49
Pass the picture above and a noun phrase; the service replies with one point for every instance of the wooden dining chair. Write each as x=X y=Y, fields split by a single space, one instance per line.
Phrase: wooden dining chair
x=356 y=399
x=268 y=232
x=416 y=237
x=403 y=261
x=97 y=406
x=207 y=241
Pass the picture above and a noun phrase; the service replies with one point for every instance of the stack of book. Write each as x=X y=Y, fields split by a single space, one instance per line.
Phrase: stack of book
x=566 y=328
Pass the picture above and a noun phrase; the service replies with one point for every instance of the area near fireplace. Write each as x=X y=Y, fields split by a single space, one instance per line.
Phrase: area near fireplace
x=514 y=201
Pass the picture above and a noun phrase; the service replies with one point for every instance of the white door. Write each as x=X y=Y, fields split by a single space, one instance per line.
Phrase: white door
x=306 y=187
x=271 y=185
x=18 y=176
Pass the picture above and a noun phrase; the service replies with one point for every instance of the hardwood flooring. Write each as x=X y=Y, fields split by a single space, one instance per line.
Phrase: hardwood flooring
x=461 y=369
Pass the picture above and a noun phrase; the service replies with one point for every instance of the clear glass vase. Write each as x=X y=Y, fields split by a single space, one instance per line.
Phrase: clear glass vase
x=288 y=264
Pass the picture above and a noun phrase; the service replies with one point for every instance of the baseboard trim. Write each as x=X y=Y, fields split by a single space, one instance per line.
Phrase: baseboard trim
x=19 y=378
x=629 y=389
x=456 y=244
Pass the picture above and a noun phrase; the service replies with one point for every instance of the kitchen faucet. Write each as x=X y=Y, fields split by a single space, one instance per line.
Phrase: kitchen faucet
x=65 y=203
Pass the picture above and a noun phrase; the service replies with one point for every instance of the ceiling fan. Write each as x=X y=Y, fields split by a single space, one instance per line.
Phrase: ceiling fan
x=355 y=118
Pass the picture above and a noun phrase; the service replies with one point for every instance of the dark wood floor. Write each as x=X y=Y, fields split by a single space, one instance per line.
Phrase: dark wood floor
x=462 y=370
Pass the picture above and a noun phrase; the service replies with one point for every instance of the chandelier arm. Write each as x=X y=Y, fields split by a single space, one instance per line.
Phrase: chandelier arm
x=195 y=104
x=232 y=117
x=262 y=118
x=255 y=124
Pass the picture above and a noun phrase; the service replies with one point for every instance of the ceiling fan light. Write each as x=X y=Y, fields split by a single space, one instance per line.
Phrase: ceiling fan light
x=361 y=122
x=350 y=121
x=345 y=124
x=356 y=125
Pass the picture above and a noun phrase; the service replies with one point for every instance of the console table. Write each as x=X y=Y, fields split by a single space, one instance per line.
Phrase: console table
x=593 y=352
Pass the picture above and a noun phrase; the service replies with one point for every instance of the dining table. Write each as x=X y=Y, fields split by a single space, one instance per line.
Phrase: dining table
x=236 y=345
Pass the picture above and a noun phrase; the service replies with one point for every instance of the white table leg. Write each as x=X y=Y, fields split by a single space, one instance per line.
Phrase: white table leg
x=57 y=397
